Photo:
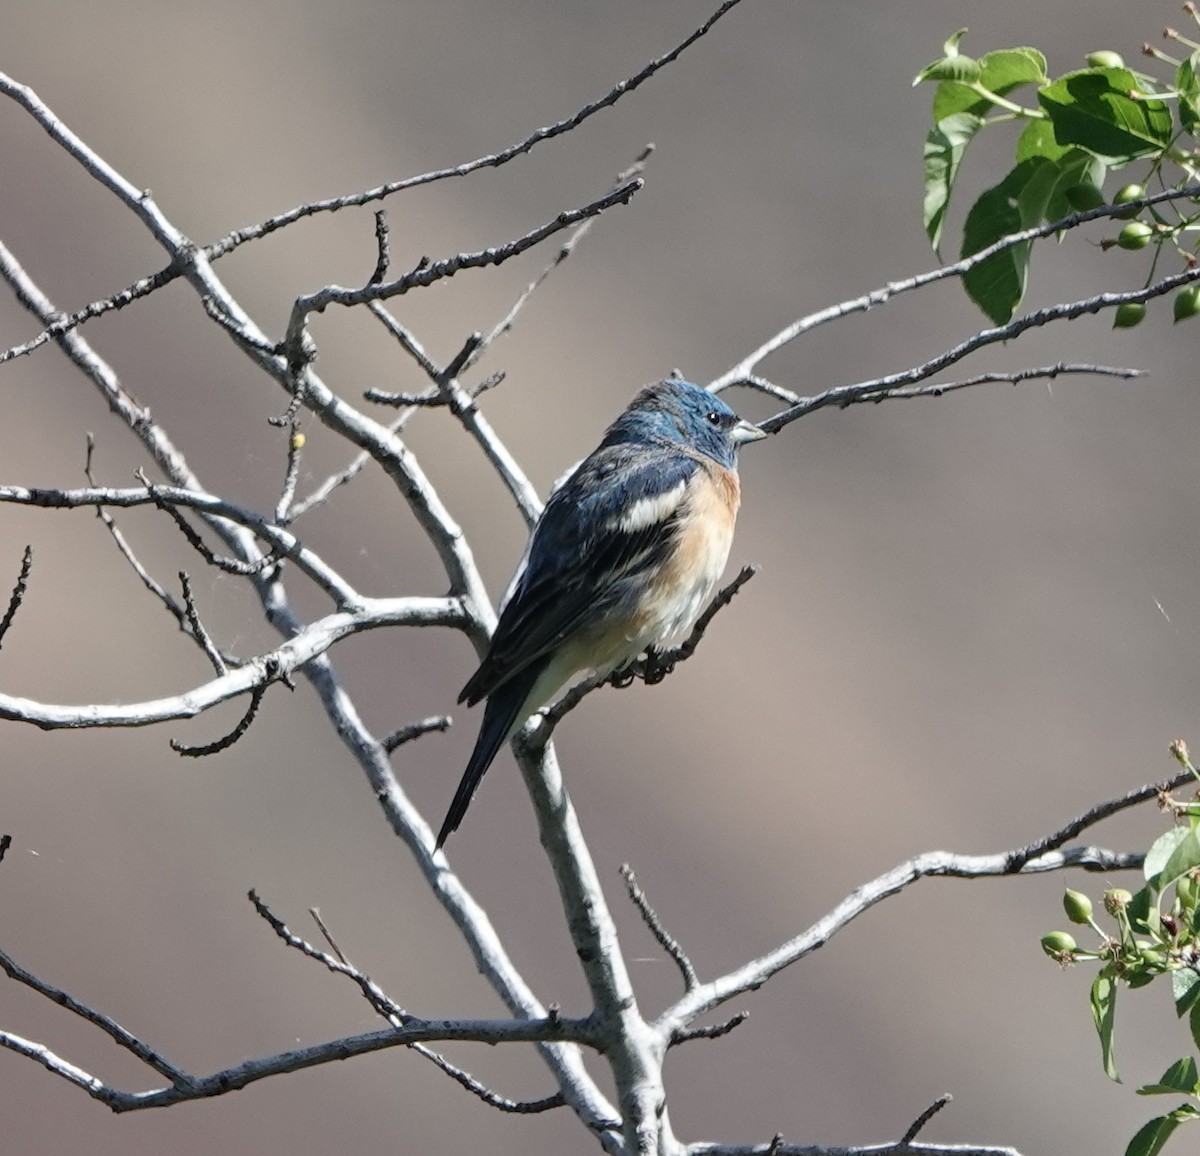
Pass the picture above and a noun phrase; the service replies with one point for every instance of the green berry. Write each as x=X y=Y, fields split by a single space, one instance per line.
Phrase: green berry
x=1077 y=906
x=1135 y=235
x=1058 y=944
x=1128 y=315
x=1123 y=196
x=1105 y=58
x=1187 y=304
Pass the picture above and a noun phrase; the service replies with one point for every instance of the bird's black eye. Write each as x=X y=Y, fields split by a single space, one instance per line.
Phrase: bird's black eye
x=713 y=418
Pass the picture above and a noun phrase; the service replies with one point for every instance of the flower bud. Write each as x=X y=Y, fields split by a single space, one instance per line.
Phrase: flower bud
x=1116 y=899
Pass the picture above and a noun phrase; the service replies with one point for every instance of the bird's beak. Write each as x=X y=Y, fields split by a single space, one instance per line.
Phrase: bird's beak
x=747 y=431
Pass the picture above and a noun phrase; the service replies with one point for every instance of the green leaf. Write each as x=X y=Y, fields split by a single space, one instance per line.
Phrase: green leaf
x=1183 y=855
x=1194 y=1023
x=1104 y=1011
x=1142 y=911
x=1187 y=82
x=1077 y=170
x=1151 y=1137
x=1093 y=109
x=1185 y=988
x=1181 y=1076
x=957 y=69
x=953 y=66
x=998 y=284
x=1037 y=140
x=944 y=148
x=999 y=72
x=1160 y=852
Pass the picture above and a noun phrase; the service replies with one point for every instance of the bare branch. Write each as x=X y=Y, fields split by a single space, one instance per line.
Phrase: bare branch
x=65 y=323
x=1066 y=311
x=930 y=864
x=505 y=324
x=777 y=1147
x=447 y=391
x=171 y=499
x=1019 y=860
x=745 y=369
x=492 y=160
x=428 y=272
x=468 y=607
x=372 y=992
x=1042 y=855
x=1015 y=377
x=109 y=1026
x=305 y=646
x=233 y=1079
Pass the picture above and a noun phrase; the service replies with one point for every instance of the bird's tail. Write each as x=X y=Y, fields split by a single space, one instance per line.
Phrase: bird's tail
x=505 y=710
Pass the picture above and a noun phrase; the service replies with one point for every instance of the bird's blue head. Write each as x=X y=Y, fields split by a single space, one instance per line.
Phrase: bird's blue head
x=681 y=413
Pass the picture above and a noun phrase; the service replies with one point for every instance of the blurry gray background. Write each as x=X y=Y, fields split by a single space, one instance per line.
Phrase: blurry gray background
x=975 y=617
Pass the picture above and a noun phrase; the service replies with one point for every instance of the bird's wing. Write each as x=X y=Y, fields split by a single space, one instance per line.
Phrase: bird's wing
x=614 y=518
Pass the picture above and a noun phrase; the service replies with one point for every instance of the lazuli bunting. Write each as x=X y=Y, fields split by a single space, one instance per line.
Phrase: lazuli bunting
x=625 y=555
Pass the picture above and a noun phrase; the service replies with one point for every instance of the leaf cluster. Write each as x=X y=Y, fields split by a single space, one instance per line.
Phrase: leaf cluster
x=1157 y=933
x=1081 y=126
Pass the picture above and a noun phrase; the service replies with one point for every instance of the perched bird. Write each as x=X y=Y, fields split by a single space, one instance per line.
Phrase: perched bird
x=625 y=555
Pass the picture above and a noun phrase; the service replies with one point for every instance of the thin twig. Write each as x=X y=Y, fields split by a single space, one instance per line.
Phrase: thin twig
x=505 y=324
x=924 y=1118
x=843 y=395
x=1016 y=377
x=391 y=1011
x=214 y=510
x=665 y=940
x=327 y=935
x=746 y=368
x=226 y=741
x=711 y=1031
x=298 y=350
x=106 y=1024
x=295 y=445
x=1017 y=860
x=406 y=734
x=492 y=1098
x=492 y=160
x=66 y=322
x=372 y=992
x=461 y=404
x=321 y=494
x=384 y=259
x=196 y=626
x=18 y=594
